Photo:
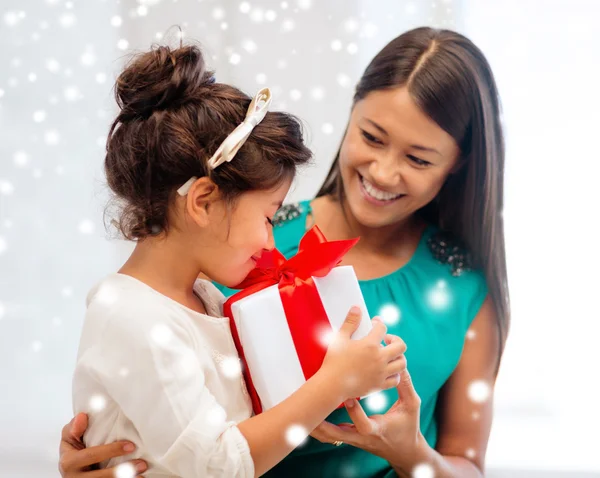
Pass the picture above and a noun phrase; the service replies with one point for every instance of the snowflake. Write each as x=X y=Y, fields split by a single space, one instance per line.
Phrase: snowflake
x=470 y=453
x=351 y=25
x=101 y=77
x=218 y=13
x=67 y=292
x=336 y=45
x=32 y=77
x=1 y=92
x=423 y=470
x=295 y=95
x=244 y=7
x=6 y=187
x=439 y=296
x=376 y=402
x=318 y=93
x=352 y=48
x=142 y=10
x=327 y=128
x=390 y=314
x=161 y=334
x=471 y=334
x=72 y=93
x=249 y=46
x=36 y=346
x=370 y=30
x=67 y=20
x=86 y=227
x=125 y=470
x=235 y=59
x=343 y=80
x=97 y=403
x=88 y=58
x=116 y=21
x=288 y=25
x=326 y=336
x=56 y=321
x=122 y=44
x=11 y=18
x=216 y=415
x=411 y=8
x=479 y=391
x=257 y=15
x=106 y=295
x=231 y=367
x=296 y=435
x=271 y=15
x=2 y=309
x=52 y=65
x=39 y=116
x=261 y=78
x=305 y=4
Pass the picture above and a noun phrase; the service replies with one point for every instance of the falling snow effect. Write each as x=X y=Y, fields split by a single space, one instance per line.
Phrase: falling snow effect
x=231 y=367
x=106 y=295
x=125 y=470
x=479 y=391
x=377 y=402
x=97 y=403
x=86 y=227
x=439 y=297
x=423 y=470
x=161 y=334
x=327 y=128
x=216 y=415
x=390 y=314
x=296 y=435
x=67 y=105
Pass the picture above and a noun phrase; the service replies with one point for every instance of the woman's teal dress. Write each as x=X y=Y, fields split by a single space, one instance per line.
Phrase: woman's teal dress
x=430 y=305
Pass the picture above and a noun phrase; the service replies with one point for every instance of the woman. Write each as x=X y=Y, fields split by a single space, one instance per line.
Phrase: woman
x=419 y=176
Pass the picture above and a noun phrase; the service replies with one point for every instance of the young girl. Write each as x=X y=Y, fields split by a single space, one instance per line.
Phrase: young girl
x=419 y=176
x=199 y=172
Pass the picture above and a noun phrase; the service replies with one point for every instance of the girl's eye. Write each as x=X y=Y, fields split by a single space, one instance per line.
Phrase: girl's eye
x=270 y=221
x=418 y=161
x=370 y=138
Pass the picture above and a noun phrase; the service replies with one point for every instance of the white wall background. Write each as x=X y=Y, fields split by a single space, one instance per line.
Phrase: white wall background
x=58 y=60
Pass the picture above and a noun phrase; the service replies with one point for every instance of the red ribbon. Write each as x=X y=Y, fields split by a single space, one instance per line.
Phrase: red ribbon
x=304 y=311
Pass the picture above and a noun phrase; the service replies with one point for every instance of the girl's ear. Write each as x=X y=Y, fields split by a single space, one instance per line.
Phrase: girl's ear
x=200 y=198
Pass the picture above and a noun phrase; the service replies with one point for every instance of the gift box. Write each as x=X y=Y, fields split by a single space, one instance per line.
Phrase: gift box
x=288 y=311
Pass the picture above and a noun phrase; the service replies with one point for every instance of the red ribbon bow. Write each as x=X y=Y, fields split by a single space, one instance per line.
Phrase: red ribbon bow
x=305 y=314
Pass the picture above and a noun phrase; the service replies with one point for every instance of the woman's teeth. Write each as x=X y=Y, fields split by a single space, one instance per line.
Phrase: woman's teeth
x=378 y=193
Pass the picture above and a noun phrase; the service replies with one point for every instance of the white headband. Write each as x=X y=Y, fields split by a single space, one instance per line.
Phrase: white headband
x=231 y=145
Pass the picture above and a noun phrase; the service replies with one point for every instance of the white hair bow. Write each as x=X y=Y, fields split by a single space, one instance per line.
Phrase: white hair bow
x=231 y=145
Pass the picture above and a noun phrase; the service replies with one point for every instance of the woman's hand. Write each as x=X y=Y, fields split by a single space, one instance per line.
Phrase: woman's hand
x=77 y=461
x=394 y=436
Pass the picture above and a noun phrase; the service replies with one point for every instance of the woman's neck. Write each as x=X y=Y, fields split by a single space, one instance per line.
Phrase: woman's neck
x=338 y=223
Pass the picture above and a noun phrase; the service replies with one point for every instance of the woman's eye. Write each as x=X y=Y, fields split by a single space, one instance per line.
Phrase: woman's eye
x=418 y=161
x=270 y=221
x=370 y=138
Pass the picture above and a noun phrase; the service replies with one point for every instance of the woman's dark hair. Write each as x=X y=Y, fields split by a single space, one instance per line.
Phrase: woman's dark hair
x=173 y=117
x=451 y=81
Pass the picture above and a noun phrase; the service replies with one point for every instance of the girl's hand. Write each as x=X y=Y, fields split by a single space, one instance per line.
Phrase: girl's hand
x=364 y=366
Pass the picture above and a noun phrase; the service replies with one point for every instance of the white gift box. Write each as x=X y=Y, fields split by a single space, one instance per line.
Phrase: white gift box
x=266 y=340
